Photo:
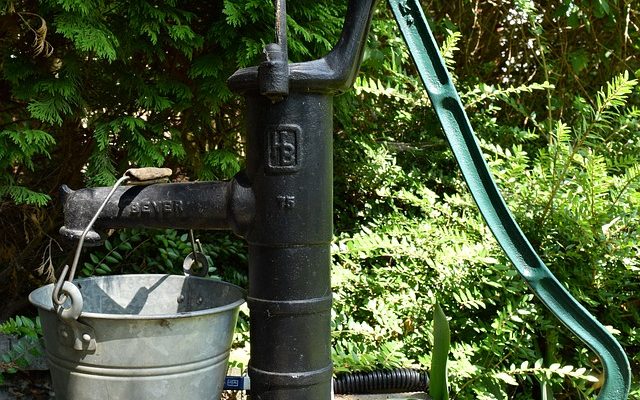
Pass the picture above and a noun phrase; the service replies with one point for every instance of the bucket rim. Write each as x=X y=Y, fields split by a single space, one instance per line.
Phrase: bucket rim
x=104 y=316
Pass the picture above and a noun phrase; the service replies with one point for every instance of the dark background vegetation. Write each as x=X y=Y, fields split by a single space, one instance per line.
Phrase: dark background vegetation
x=90 y=87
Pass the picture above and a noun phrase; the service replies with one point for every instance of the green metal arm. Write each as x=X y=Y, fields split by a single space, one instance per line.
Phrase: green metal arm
x=457 y=128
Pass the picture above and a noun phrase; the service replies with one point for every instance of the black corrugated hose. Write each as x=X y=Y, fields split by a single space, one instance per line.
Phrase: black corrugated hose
x=386 y=381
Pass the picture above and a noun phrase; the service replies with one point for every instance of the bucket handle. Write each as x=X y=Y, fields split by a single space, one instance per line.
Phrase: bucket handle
x=65 y=289
x=60 y=291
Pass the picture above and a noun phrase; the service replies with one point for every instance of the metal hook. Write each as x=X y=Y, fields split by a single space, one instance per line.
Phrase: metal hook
x=195 y=259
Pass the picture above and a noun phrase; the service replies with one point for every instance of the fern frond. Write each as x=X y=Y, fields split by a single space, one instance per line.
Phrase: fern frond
x=364 y=84
x=562 y=134
x=557 y=369
x=629 y=181
x=484 y=92
x=614 y=96
x=449 y=47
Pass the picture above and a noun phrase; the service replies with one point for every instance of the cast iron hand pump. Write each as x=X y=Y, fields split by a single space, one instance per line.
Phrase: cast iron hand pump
x=282 y=206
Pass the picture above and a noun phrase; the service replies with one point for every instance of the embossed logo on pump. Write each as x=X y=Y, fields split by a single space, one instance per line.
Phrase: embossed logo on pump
x=283 y=149
x=157 y=208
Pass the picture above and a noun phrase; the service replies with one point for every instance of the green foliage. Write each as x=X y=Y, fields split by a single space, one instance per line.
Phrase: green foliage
x=133 y=83
x=145 y=251
x=89 y=89
x=348 y=356
x=22 y=147
x=22 y=326
x=28 y=333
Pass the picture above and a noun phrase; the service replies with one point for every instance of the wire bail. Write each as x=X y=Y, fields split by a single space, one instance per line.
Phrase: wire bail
x=64 y=288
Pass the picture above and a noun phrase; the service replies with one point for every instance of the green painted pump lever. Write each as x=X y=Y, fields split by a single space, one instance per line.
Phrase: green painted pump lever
x=454 y=121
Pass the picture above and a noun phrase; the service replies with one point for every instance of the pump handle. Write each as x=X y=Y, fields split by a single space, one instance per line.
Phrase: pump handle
x=463 y=142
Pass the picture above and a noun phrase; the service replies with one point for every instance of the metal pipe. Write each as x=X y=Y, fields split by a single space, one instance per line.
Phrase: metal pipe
x=194 y=205
x=289 y=164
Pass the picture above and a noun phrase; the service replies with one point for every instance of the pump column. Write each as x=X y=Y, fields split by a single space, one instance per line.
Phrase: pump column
x=289 y=165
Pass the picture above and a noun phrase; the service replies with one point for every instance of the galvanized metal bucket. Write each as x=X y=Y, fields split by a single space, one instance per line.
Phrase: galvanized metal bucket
x=139 y=337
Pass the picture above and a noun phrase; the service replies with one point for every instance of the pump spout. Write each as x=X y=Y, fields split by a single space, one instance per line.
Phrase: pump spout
x=193 y=205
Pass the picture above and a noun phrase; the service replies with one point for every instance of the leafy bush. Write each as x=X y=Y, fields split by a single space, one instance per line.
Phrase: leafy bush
x=163 y=251
x=409 y=234
x=89 y=88
x=28 y=335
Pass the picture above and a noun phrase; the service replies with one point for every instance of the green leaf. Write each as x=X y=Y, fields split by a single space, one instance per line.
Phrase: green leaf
x=438 y=387
x=116 y=256
x=111 y=259
x=104 y=268
x=503 y=376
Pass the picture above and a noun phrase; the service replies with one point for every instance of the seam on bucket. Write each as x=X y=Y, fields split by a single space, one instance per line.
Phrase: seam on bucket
x=135 y=371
